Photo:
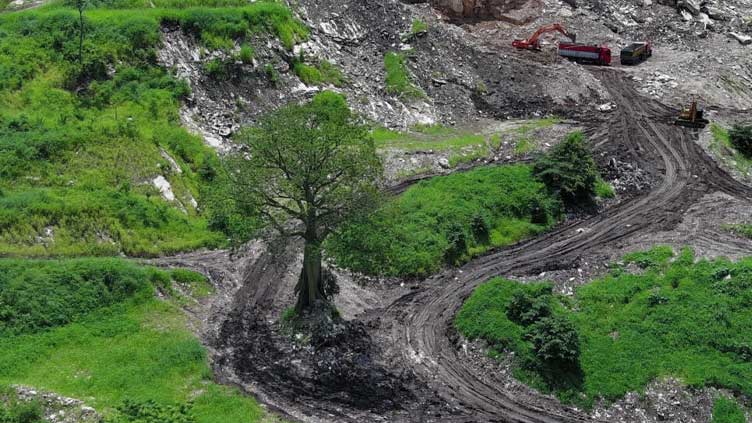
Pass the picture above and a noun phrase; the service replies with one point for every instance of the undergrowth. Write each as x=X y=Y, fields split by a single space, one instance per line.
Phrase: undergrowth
x=93 y=329
x=398 y=80
x=679 y=317
x=447 y=220
x=81 y=142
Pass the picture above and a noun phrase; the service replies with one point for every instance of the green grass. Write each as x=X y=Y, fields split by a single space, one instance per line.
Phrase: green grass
x=398 y=81
x=603 y=189
x=418 y=26
x=678 y=318
x=721 y=146
x=80 y=145
x=742 y=229
x=110 y=348
x=410 y=235
x=322 y=74
x=433 y=137
x=727 y=410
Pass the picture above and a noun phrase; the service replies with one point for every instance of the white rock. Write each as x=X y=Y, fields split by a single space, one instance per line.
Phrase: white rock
x=164 y=187
x=743 y=39
x=444 y=163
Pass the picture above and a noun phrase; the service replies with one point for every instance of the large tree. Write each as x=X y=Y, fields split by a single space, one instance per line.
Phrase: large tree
x=306 y=168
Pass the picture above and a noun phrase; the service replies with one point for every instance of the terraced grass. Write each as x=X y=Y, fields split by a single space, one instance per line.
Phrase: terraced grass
x=82 y=142
x=677 y=318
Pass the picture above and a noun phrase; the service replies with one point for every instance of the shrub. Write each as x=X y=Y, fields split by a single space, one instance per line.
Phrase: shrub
x=21 y=412
x=457 y=244
x=568 y=170
x=555 y=341
x=741 y=138
x=216 y=69
x=481 y=229
x=527 y=307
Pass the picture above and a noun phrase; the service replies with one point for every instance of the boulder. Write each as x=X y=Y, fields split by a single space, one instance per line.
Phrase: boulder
x=743 y=39
x=690 y=6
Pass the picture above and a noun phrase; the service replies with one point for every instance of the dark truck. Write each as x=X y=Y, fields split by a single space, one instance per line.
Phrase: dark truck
x=636 y=53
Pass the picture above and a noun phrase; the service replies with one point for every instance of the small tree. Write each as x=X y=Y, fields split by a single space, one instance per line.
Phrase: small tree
x=80 y=5
x=741 y=138
x=305 y=169
x=569 y=171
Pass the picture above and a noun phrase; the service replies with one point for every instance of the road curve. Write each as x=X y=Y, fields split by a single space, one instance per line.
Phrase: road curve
x=642 y=128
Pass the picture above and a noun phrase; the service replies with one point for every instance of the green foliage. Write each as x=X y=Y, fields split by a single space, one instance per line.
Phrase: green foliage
x=418 y=26
x=742 y=229
x=741 y=138
x=14 y=411
x=217 y=69
x=246 y=54
x=603 y=189
x=324 y=73
x=151 y=412
x=398 y=80
x=568 y=170
x=415 y=234
x=554 y=341
x=655 y=257
x=727 y=410
x=107 y=339
x=677 y=318
x=78 y=151
x=36 y=295
x=726 y=151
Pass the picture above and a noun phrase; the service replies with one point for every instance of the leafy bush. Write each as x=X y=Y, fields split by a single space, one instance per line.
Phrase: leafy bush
x=14 y=411
x=436 y=221
x=555 y=341
x=632 y=328
x=568 y=170
x=398 y=80
x=741 y=138
x=529 y=306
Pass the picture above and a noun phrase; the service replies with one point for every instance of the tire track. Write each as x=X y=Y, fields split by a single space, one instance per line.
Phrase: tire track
x=687 y=173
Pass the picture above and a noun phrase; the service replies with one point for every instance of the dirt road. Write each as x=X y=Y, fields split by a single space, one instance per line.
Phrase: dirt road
x=412 y=327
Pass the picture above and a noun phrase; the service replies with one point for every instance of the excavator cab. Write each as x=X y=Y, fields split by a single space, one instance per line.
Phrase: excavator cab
x=692 y=117
x=533 y=43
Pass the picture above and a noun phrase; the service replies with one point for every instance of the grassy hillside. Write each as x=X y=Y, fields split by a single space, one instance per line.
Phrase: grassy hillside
x=447 y=220
x=93 y=329
x=677 y=318
x=81 y=143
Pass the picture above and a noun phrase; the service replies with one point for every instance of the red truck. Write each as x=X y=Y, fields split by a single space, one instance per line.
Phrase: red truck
x=585 y=53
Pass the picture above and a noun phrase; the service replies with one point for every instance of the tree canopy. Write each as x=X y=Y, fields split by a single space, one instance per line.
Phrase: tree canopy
x=305 y=169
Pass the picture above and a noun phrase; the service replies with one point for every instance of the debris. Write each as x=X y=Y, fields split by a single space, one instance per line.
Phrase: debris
x=743 y=39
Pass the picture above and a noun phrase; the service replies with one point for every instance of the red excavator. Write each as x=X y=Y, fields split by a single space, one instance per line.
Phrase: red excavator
x=533 y=43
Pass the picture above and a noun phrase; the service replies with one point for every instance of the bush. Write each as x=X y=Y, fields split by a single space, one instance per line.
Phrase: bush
x=457 y=244
x=741 y=138
x=555 y=341
x=527 y=306
x=568 y=170
x=21 y=411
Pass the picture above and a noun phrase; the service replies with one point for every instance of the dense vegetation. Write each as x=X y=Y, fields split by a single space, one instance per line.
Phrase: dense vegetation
x=727 y=411
x=93 y=329
x=81 y=142
x=447 y=220
x=676 y=318
x=569 y=171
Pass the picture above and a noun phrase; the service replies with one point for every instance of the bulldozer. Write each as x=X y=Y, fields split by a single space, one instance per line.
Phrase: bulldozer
x=692 y=117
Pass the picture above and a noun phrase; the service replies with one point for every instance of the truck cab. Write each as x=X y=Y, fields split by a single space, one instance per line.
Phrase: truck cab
x=636 y=53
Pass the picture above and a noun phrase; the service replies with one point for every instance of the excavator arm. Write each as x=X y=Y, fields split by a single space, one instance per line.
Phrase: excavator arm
x=533 y=43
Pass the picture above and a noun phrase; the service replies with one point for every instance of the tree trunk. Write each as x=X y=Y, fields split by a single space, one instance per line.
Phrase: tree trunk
x=309 y=287
x=81 y=38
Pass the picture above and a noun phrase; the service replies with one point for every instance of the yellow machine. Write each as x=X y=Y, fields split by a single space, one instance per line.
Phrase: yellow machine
x=692 y=117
